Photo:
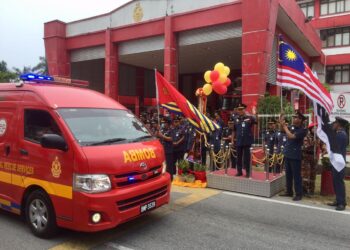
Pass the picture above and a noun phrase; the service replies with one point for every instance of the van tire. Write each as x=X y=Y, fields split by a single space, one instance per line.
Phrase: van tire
x=40 y=215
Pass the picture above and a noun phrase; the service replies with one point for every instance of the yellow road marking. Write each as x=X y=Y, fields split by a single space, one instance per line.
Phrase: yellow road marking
x=194 y=195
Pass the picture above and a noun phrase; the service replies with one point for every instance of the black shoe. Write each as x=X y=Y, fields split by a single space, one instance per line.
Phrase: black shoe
x=333 y=204
x=286 y=195
x=239 y=174
x=297 y=198
x=340 y=208
x=247 y=176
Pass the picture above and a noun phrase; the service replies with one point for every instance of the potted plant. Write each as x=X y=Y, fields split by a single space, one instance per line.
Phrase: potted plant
x=183 y=167
x=326 y=177
x=190 y=178
x=199 y=172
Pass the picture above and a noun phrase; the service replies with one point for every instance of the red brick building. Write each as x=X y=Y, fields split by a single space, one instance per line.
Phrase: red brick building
x=117 y=52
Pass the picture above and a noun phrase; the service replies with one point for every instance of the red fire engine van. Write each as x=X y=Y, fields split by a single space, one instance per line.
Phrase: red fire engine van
x=74 y=158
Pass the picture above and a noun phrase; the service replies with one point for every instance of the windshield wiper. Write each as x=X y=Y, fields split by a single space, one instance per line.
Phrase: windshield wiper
x=142 y=138
x=108 y=141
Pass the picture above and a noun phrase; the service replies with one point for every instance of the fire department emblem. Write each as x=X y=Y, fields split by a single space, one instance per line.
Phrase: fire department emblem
x=56 y=168
x=138 y=13
x=143 y=166
x=3 y=126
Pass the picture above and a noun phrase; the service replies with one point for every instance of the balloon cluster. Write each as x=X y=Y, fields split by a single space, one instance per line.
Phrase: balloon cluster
x=217 y=79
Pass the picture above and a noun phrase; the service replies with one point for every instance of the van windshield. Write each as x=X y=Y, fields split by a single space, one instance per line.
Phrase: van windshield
x=92 y=127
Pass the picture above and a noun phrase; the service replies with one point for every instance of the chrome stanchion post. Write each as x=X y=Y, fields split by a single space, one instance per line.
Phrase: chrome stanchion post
x=227 y=160
x=282 y=162
x=251 y=163
x=267 y=165
x=266 y=157
x=274 y=162
x=212 y=165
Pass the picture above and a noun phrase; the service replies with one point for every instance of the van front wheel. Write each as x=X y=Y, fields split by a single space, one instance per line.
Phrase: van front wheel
x=40 y=215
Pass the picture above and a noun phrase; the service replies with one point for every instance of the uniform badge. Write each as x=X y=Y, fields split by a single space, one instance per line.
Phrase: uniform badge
x=56 y=168
x=243 y=124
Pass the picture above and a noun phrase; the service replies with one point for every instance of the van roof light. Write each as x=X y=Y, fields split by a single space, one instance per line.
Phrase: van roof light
x=36 y=77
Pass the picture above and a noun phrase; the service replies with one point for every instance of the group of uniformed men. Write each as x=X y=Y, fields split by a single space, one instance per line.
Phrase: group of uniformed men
x=294 y=141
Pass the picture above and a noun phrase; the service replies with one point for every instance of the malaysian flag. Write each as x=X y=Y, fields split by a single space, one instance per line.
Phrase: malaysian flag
x=293 y=72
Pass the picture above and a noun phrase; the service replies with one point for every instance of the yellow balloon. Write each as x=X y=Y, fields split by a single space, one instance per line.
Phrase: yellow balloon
x=207 y=76
x=227 y=70
x=207 y=89
x=222 y=78
x=220 y=67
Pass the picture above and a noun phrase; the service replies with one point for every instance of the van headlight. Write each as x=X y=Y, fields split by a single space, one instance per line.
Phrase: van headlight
x=163 y=167
x=92 y=183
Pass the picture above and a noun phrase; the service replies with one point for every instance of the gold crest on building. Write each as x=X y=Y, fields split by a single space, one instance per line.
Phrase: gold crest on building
x=138 y=13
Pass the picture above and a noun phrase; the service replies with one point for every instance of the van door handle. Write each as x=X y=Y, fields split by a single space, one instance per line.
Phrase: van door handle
x=7 y=150
x=23 y=151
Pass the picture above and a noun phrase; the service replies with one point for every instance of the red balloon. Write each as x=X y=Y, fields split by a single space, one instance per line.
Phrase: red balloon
x=214 y=75
x=228 y=82
x=219 y=88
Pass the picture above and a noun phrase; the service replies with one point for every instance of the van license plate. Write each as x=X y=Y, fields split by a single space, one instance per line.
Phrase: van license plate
x=149 y=206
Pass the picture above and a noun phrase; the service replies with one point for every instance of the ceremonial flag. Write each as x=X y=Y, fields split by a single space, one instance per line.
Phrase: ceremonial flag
x=293 y=72
x=328 y=135
x=170 y=98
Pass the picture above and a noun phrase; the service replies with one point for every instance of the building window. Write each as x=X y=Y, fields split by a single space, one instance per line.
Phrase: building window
x=339 y=74
x=329 y=7
x=335 y=37
x=308 y=8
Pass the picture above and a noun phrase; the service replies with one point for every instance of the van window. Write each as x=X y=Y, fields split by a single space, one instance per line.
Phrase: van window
x=37 y=123
x=103 y=126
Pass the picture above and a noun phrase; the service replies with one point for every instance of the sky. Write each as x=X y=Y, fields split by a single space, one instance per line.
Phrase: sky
x=22 y=24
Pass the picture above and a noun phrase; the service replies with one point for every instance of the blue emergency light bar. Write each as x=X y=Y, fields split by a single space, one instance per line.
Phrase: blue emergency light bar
x=35 y=77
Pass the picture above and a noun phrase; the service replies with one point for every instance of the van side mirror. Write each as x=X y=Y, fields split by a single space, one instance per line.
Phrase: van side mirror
x=53 y=141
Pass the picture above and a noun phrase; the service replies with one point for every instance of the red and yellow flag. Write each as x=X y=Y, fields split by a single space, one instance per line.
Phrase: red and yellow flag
x=171 y=99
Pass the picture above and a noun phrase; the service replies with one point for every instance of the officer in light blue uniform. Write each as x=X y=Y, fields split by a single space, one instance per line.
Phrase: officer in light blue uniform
x=340 y=144
x=243 y=134
x=293 y=155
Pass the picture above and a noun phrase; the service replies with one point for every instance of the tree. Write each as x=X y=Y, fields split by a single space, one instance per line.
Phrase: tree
x=41 y=68
x=5 y=74
x=24 y=70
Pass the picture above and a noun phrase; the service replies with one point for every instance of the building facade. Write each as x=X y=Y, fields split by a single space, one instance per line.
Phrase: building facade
x=118 y=51
x=331 y=20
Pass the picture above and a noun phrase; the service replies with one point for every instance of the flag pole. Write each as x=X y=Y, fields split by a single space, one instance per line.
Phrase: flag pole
x=157 y=95
x=278 y=60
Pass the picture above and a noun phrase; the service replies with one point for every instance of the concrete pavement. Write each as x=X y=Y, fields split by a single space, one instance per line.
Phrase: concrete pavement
x=204 y=219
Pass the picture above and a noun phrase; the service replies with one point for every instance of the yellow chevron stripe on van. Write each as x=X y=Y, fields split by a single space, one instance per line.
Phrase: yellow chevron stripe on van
x=5 y=202
x=52 y=188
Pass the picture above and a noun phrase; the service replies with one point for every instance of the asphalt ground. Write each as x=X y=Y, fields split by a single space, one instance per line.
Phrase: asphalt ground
x=204 y=219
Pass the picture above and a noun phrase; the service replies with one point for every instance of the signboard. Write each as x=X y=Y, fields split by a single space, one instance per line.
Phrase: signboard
x=341 y=106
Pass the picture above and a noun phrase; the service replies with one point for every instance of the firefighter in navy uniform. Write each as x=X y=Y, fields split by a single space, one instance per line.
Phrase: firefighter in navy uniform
x=165 y=134
x=227 y=138
x=340 y=144
x=293 y=154
x=179 y=141
x=243 y=134
x=270 y=137
x=281 y=140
